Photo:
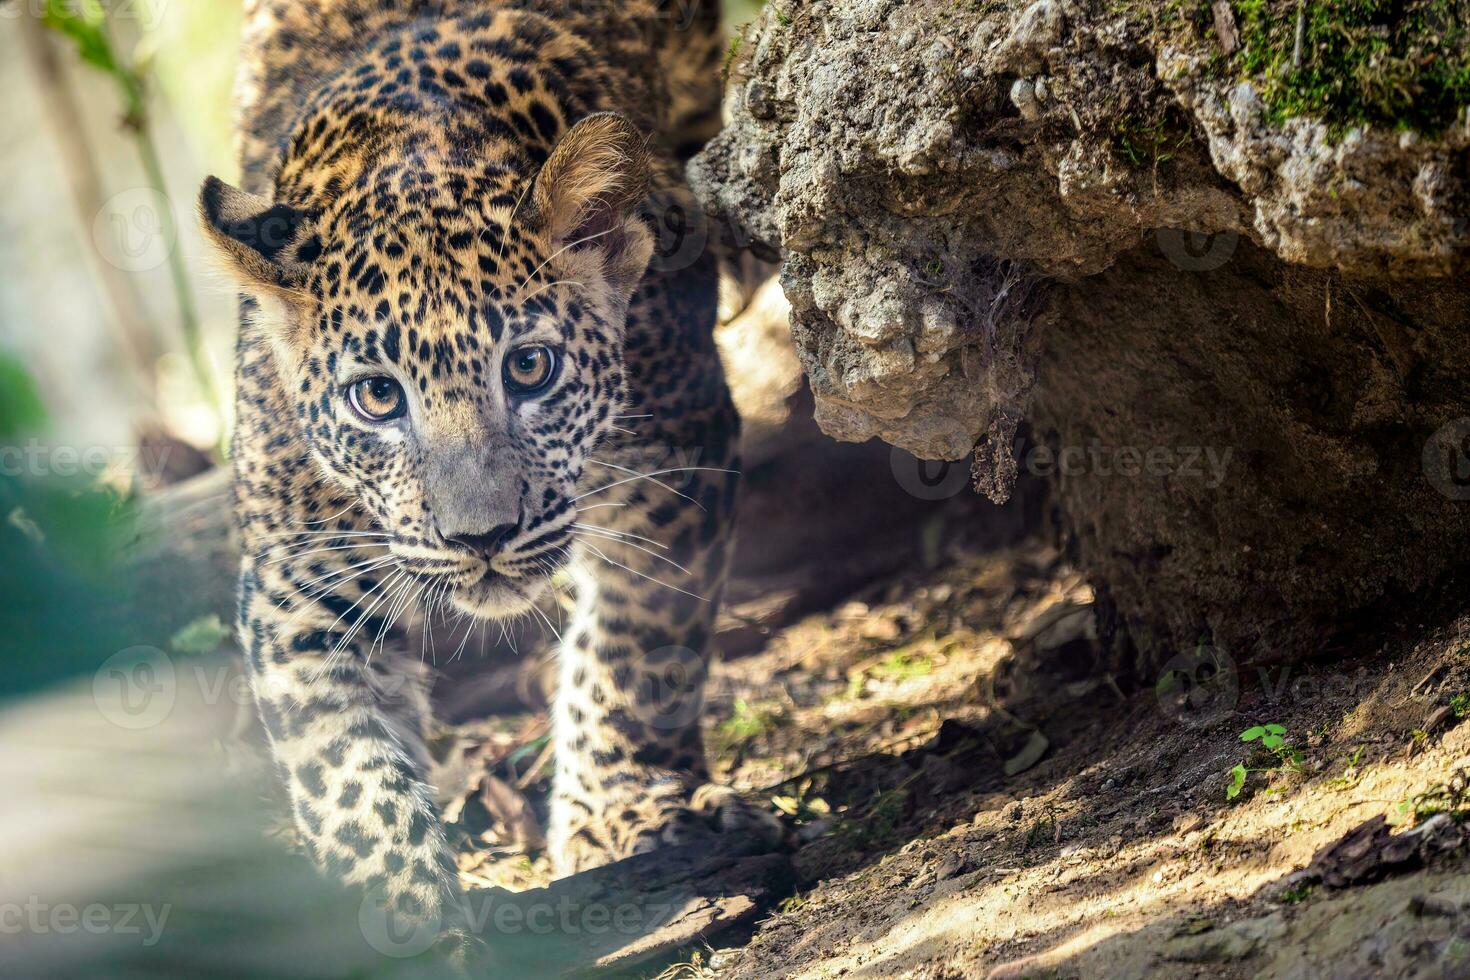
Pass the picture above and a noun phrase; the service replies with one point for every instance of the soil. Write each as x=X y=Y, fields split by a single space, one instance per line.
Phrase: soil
x=971 y=796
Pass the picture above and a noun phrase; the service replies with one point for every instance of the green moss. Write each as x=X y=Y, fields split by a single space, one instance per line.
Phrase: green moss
x=748 y=722
x=1150 y=142
x=1404 y=64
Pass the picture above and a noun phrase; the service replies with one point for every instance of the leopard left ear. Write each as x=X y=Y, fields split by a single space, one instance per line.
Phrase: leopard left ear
x=261 y=241
x=586 y=194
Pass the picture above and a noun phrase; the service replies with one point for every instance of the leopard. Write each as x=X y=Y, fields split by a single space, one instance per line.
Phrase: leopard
x=470 y=371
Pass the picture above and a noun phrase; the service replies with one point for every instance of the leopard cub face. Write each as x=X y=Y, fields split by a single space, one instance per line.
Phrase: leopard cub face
x=450 y=342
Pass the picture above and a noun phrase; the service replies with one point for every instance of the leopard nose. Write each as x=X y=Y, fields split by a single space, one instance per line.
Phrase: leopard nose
x=489 y=543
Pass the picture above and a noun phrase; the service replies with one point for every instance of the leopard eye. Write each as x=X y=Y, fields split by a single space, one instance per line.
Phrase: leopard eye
x=377 y=399
x=530 y=369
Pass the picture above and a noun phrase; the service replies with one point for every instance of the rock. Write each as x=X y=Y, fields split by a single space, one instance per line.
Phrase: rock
x=1365 y=932
x=1234 y=942
x=1372 y=851
x=1235 y=341
x=1023 y=97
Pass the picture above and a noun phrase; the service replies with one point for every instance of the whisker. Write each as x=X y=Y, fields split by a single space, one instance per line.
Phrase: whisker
x=325 y=519
x=505 y=239
x=385 y=590
x=651 y=554
x=570 y=245
x=331 y=657
x=326 y=533
x=599 y=554
x=318 y=551
x=371 y=563
x=560 y=282
x=395 y=607
x=547 y=620
x=303 y=554
x=621 y=534
x=650 y=478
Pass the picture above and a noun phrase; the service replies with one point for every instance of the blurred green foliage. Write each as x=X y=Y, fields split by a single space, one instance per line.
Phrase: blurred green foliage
x=85 y=22
x=63 y=609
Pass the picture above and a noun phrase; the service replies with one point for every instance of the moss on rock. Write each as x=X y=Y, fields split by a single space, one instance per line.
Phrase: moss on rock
x=1404 y=64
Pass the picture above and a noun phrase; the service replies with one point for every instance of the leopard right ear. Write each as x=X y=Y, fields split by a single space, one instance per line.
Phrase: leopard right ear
x=267 y=246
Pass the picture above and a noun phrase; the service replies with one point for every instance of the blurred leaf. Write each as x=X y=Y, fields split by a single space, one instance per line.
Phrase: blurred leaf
x=203 y=635
x=513 y=821
x=21 y=410
x=1030 y=754
x=85 y=23
x=1236 y=783
x=26 y=526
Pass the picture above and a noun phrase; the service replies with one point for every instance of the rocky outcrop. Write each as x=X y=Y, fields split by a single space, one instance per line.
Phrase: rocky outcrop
x=1235 y=338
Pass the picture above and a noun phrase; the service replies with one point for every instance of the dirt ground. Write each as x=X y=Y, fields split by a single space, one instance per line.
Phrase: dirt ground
x=970 y=798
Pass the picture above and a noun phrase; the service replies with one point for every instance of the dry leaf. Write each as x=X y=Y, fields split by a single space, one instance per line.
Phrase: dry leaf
x=513 y=820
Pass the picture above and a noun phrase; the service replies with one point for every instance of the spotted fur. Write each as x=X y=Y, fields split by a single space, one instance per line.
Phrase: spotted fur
x=429 y=187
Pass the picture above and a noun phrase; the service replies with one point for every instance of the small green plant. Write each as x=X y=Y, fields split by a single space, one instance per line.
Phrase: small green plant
x=1460 y=705
x=731 y=53
x=900 y=665
x=1350 y=771
x=1297 y=894
x=1041 y=831
x=933 y=270
x=877 y=826
x=1272 y=739
x=747 y=722
x=201 y=636
x=802 y=806
x=1151 y=141
x=1450 y=797
x=791 y=903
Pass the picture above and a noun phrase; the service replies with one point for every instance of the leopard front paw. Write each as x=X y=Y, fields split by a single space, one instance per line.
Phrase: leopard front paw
x=713 y=816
